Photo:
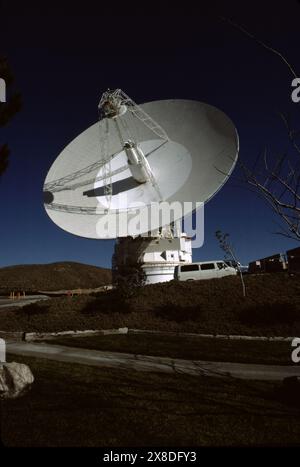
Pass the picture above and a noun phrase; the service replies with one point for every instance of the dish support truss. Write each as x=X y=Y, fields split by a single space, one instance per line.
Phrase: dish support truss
x=113 y=104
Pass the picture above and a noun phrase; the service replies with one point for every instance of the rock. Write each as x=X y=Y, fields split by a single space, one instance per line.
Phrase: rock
x=15 y=380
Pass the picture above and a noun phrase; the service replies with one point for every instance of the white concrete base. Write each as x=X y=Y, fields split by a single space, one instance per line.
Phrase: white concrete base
x=159 y=273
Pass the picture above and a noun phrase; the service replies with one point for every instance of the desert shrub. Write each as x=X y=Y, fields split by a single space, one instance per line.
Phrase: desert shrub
x=128 y=281
x=106 y=303
x=34 y=309
x=172 y=312
x=282 y=312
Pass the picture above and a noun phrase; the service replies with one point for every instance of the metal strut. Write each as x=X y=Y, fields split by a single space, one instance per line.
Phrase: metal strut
x=112 y=106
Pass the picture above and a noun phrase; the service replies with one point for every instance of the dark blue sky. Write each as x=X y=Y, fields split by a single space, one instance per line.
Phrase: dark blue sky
x=63 y=58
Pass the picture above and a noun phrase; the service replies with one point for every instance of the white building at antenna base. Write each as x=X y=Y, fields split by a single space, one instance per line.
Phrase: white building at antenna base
x=157 y=256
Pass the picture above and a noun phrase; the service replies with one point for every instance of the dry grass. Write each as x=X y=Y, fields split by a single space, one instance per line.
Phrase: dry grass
x=77 y=405
x=186 y=347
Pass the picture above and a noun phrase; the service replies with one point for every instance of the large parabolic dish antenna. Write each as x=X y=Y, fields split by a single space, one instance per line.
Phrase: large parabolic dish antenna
x=168 y=150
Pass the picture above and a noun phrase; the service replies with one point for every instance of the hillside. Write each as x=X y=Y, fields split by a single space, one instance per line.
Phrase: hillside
x=54 y=276
x=217 y=306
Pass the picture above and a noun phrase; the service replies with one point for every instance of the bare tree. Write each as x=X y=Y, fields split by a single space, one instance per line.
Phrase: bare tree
x=277 y=178
x=226 y=246
x=277 y=181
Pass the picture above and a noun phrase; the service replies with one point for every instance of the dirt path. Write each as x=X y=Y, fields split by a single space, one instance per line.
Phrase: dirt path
x=7 y=302
x=146 y=363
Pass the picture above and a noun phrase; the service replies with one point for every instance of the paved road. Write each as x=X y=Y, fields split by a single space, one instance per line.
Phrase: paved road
x=157 y=364
x=7 y=302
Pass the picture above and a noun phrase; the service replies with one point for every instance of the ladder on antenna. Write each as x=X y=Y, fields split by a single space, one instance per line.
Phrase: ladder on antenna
x=139 y=113
x=149 y=122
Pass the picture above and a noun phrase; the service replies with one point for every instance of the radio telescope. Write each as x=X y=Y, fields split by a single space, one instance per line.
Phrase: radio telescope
x=134 y=157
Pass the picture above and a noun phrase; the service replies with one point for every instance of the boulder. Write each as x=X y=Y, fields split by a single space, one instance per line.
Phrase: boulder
x=15 y=380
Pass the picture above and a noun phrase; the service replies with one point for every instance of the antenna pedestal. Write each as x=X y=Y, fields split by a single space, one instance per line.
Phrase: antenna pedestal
x=156 y=255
